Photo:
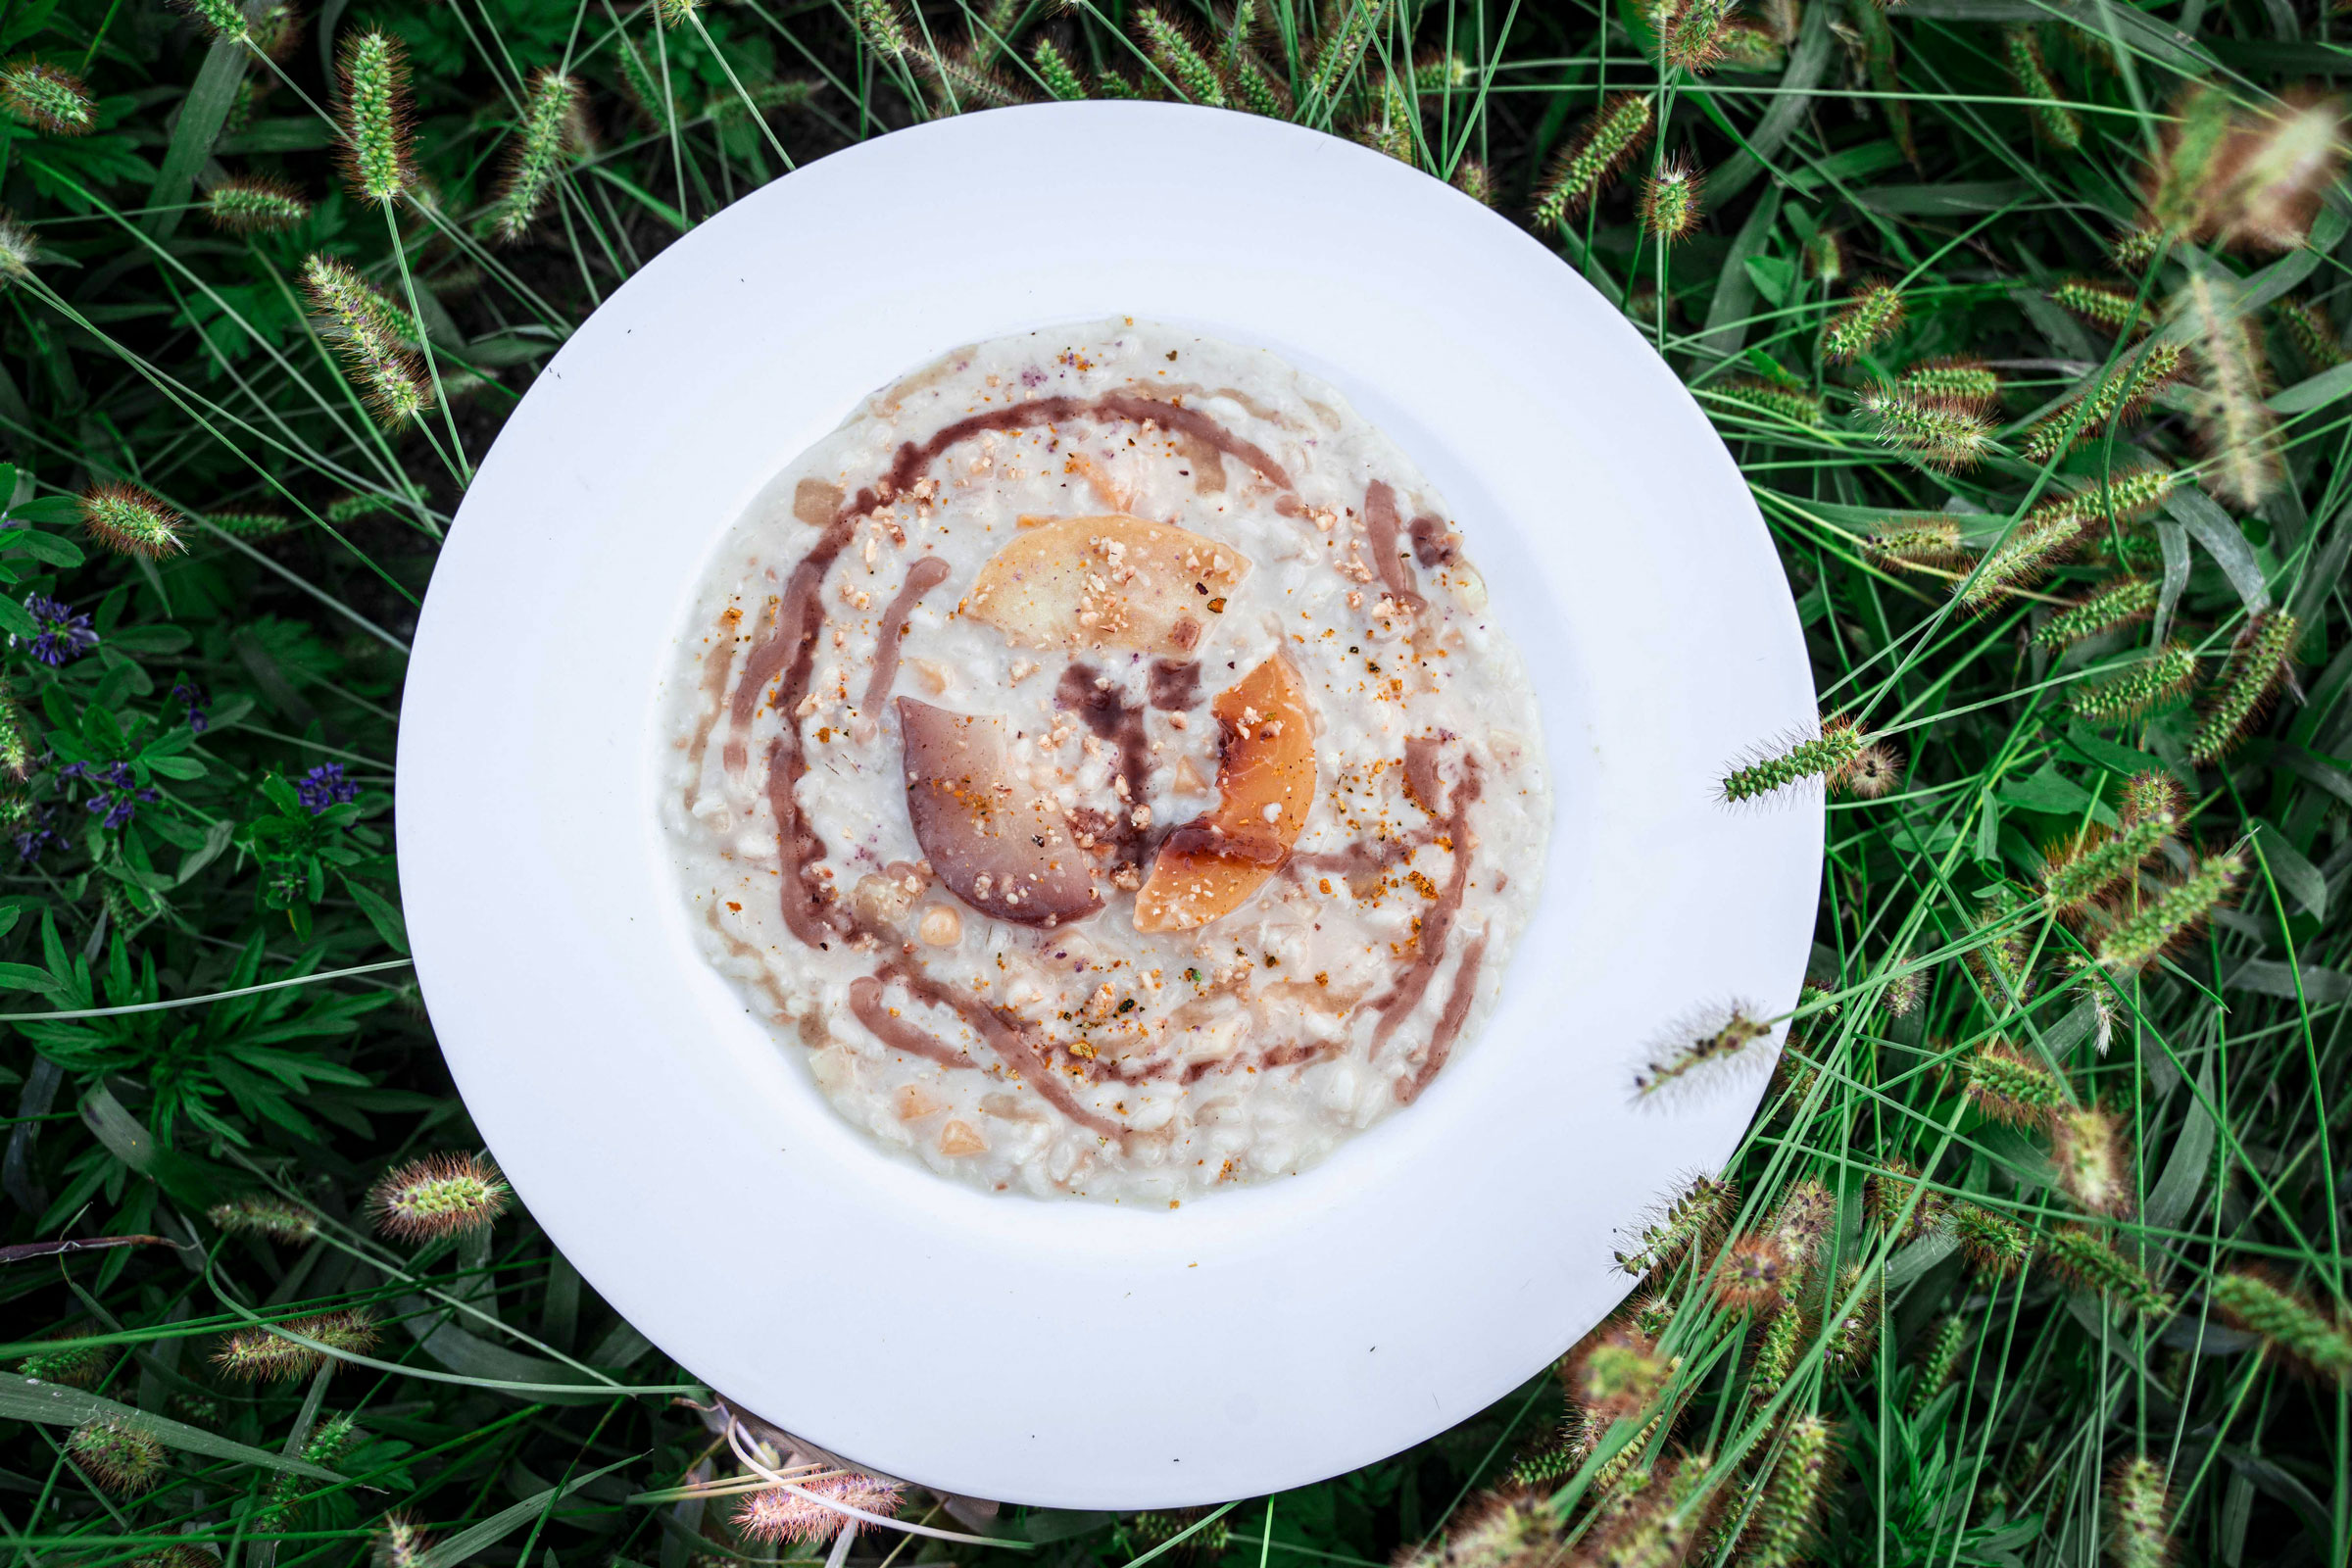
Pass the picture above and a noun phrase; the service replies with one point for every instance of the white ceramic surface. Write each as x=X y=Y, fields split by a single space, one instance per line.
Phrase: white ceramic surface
x=1071 y=1353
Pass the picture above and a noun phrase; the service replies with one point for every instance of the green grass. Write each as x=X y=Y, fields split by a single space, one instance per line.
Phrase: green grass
x=1959 y=1304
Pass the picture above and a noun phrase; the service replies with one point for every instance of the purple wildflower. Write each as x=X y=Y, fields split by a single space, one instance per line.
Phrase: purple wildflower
x=33 y=835
x=191 y=696
x=64 y=635
x=324 y=786
x=117 y=796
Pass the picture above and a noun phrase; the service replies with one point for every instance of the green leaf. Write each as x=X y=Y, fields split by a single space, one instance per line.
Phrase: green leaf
x=179 y=767
x=17 y=620
x=187 y=1178
x=2315 y=393
x=45 y=547
x=2223 y=540
x=25 y=977
x=2193 y=1151
x=2045 y=790
x=1774 y=277
x=382 y=913
x=2108 y=755
x=466 y=1543
x=201 y=114
x=24 y=1399
x=2297 y=877
x=2269 y=978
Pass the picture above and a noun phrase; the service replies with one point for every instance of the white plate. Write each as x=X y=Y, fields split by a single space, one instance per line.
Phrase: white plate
x=1071 y=1353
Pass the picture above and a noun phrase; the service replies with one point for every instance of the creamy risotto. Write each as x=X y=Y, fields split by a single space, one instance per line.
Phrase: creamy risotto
x=1100 y=761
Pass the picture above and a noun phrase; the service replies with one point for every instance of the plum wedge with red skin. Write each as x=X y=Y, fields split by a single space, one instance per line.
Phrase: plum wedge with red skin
x=999 y=845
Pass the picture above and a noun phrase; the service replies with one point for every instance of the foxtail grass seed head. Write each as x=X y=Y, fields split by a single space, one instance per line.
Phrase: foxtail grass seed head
x=326 y=1444
x=1962 y=386
x=223 y=19
x=1944 y=438
x=2314 y=335
x=19 y=746
x=1825 y=257
x=1615 y=132
x=1670 y=201
x=1615 y=1371
x=259 y=1355
x=441 y=1195
x=1886 y=1193
x=2094 y=1161
x=1691 y=33
x=1746 y=45
x=2188 y=174
x=2122 y=601
x=18 y=250
x=1995 y=1246
x=2290 y=1328
x=1903 y=993
x=2104 y=305
x=1755 y=1272
x=1853 y=1339
x=1507 y=1528
x=2118 y=398
x=2264 y=186
x=1787 y=1520
x=1876 y=772
x=1055 y=73
x=1155 y=1527
x=255 y=205
x=2054 y=120
x=2088 y=1260
x=249 y=525
x=1939 y=1364
x=2077 y=871
x=2260 y=662
x=1172 y=47
x=374 y=114
x=2000 y=958
x=1826 y=754
x=2112 y=500
x=2174 y=916
x=47 y=97
x=1337 y=50
x=1870 y=317
x=2140 y=1514
x=882 y=27
x=776 y=1514
x=129 y=521
x=1694 y=1051
x=2010 y=1086
x=2156 y=682
x=1693 y=1219
x=1918 y=544
x=553 y=128
x=1803 y=1218
x=117 y=1455
x=2235 y=426
x=71 y=1366
x=1791 y=403
x=675 y=12
x=2153 y=795
x=1778 y=1350
x=2136 y=246
x=1658 y=1523
x=400 y=1543
x=2041 y=539
x=373 y=335
x=264 y=1215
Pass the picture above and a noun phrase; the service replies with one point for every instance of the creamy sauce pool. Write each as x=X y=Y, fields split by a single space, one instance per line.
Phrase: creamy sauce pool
x=1098 y=759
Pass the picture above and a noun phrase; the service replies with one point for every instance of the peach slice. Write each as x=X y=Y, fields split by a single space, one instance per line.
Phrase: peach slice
x=1265 y=784
x=1108 y=581
x=996 y=843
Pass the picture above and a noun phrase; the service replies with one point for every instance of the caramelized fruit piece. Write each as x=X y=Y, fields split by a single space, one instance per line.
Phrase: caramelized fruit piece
x=996 y=843
x=1265 y=783
x=1105 y=582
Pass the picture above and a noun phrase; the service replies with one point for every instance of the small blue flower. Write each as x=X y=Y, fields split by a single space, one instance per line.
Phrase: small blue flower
x=324 y=786
x=65 y=635
x=191 y=696
x=35 y=836
x=116 y=798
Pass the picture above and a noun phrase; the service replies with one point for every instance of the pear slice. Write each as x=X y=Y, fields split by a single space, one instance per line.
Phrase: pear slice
x=1110 y=581
x=996 y=843
x=1265 y=784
